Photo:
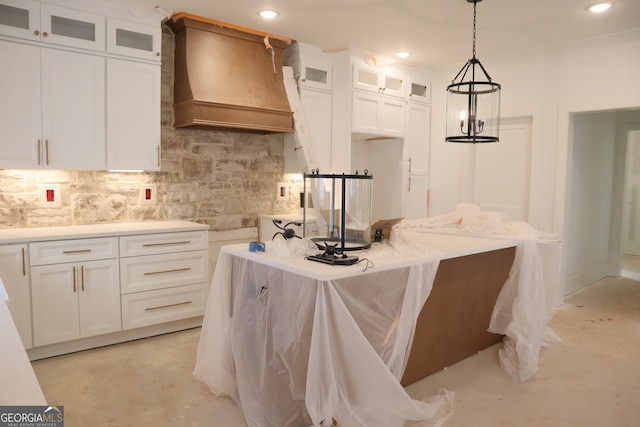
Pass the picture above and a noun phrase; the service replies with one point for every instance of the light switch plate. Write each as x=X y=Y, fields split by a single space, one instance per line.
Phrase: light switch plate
x=49 y=195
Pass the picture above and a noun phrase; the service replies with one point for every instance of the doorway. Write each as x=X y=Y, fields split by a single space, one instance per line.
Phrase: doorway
x=631 y=205
x=598 y=200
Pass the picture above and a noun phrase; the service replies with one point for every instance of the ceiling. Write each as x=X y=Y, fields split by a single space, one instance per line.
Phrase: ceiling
x=437 y=32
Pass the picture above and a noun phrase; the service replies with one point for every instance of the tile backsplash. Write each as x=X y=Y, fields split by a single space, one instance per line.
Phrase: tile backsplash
x=223 y=179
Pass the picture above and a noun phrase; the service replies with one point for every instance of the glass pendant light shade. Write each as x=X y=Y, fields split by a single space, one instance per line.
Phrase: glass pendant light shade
x=473 y=107
x=473 y=102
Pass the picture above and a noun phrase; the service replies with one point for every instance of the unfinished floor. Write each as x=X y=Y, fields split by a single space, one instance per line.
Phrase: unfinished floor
x=591 y=378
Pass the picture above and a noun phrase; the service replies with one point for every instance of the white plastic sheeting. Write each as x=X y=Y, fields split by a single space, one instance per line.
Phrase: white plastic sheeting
x=297 y=343
x=526 y=303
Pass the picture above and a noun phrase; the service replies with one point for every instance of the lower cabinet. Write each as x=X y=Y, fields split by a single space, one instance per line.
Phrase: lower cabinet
x=109 y=288
x=163 y=305
x=75 y=300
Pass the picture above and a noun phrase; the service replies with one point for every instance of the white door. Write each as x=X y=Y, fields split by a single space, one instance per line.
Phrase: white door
x=73 y=110
x=55 y=303
x=503 y=169
x=14 y=272
x=99 y=297
x=631 y=214
x=133 y=115
x=20 y=117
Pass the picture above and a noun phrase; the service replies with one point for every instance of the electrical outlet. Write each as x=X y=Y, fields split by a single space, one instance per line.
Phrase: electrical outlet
x=148 y=194
x=49 y=195
x=283 y=191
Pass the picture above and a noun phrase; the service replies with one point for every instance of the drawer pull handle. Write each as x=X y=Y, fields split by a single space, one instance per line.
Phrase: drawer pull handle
x=168 y=306
x=167 y=271
x=147 y=245
x=79 y=251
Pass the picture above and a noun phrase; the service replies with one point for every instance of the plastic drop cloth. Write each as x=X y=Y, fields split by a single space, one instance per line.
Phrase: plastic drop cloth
x=299 y=343
x=526 y=303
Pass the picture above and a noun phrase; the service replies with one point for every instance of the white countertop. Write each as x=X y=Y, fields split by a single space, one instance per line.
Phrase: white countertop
x=430 y=247
x=31 y=234
x=18 y=382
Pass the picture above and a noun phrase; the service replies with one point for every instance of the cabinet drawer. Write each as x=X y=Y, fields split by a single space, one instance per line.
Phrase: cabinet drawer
x=148 y=244
x=164 y=305
x=151 y=272
x=59 y=251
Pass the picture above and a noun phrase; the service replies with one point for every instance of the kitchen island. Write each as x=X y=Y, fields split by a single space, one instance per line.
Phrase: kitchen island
x=299 y=343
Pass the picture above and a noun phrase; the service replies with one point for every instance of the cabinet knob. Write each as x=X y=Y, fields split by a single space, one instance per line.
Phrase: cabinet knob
x=36 y=32
x=157 y=53
x=45 y=34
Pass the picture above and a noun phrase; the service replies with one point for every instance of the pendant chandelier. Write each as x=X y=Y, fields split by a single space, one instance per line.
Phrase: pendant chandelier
x=473 y=105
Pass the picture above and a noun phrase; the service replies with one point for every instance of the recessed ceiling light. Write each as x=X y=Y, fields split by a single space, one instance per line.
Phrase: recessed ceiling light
x=403 y=54
x=268 y=14
x=600 y=7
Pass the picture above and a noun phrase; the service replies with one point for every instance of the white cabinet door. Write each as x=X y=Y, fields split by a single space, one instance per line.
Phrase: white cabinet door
x=99 y=297
x=20 y=116
x=383 y=81
x=14 y=273
x=133 y=115
x=75 y=300
x=55 y=303
x=73 y=110
x=74 y=28
x=417 y=139
x=416 y=197
x=134 y=39
x=378 y=115
x=20 y=18
x=315 y=75
x=317 y=110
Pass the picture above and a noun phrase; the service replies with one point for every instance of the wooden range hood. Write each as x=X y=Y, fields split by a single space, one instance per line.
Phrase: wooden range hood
x=224 y=77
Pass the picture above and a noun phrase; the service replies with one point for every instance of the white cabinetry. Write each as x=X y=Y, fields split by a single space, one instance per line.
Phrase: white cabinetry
x=133 y=92
x=52 y=24
x=75 y=289
x=20 y=106
x=378 y=115
x=380 y=121
x=416 y=157
x=373 y=79
x=52 y=108
x=133 y=39
x=73 y=110
x=60 y=108
x=14 y=272
x=164 y=277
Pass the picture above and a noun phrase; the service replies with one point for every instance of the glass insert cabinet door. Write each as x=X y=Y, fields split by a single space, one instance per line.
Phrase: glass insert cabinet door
x=52 y=24
x=20 y=18
x=133 y=39
x=72 y=28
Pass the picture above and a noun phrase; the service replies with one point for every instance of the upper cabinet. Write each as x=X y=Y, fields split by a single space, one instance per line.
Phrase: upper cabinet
x=379 y=80
x=73 y=28
x=81 y=88
x=133 y=39
x=20 y=18
x=315 y=75
x=53 y=24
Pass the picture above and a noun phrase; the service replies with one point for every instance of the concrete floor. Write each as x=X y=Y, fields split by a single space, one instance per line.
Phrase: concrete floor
x=591 y=378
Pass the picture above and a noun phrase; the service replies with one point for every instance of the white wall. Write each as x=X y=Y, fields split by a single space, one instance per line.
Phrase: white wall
x=599 y=74
x=590 y=199
x=596 y=75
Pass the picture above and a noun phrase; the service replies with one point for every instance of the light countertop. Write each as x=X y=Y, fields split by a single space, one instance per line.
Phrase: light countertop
x=31 y=234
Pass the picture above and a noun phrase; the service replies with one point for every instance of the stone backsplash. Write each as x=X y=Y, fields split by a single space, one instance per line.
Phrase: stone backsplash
x=223 y=179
